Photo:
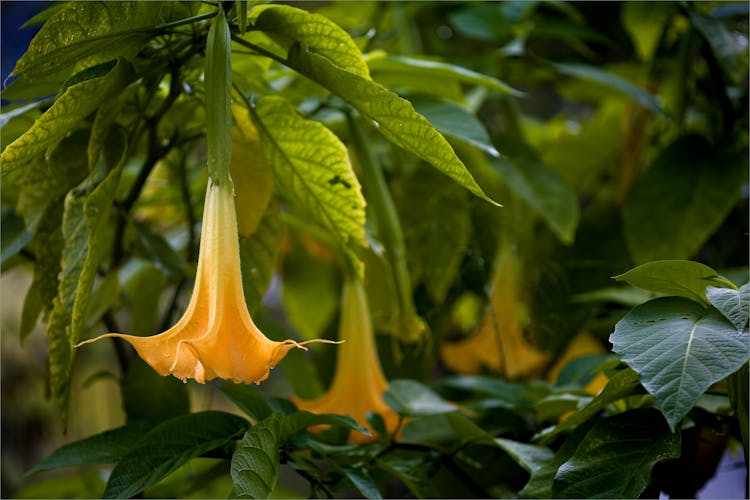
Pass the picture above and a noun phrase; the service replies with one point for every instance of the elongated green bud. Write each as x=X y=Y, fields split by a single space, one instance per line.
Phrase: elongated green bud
x=218 y=79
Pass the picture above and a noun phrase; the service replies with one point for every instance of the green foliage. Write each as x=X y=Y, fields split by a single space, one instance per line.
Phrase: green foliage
x=614 y=134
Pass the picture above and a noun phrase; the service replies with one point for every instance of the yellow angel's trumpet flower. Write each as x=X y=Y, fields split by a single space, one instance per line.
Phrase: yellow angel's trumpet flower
x=358 y=383
x=499 y=345
x=216 y=337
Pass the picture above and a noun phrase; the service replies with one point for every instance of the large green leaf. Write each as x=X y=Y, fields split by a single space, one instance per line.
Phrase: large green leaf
x=410 y=398
x=682 y=278
x=545 y=192
x=104 y=448
x=169 y=445
x=679 y=349
x=733 y=304
x=88 y=31
x=381 y=62
x=75 y=104
x=313 y=171
x=682 y=199
x=529 y=456
x=314 y=32
x=604 y=77
x=394 y=117
x=615 y=458
x=255 y=463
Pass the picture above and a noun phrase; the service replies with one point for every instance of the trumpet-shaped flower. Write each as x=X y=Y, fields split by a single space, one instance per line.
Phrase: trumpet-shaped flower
x=499 y=345
x=358 y=383
x=216 y=337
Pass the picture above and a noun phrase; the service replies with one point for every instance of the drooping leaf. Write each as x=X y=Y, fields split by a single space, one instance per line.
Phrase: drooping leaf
x=529 y=456
x=409 y=473
x=394 y=117
x=615 y=458
x=248 y=399
x=258 y=254
x=682 y=278
x=15 y=235
x=75 y=104
x=455 y=121
x=733 y=304
x=682 y=199
x=410 y=398
x=604 y=77
x=104 y=448
x=313 y=170
x=154 y=247
x=679 y=349
x=381 y=62
x=361 y=479
x=620 y=385
x=545 y=192
x=169 y=445
x=312 y=31
x=87 y=31
x=143 y=284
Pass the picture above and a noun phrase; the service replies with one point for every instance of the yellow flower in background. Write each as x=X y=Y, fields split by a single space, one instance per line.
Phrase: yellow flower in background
x=216 y=337
x=499 y=345
x=358 y=383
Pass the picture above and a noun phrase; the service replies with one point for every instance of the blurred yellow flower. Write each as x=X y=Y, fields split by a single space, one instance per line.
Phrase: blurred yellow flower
x=358 y=383
x=216 y=337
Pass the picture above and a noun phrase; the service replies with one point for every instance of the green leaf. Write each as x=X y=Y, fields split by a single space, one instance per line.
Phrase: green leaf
x=314 y=32
x=544 y=191
x=381 y=62
x=313 y=170
x=621 y=385
x=411 y=474
x=597 y=75
x=169 y=445
x=683 y=197
x=733 y=304
x=455 y=121
x=242 y=15
x=88 y=31
x=143 y=284
x=255 y=463
x=739 y=396
x=394 y=117
x=86 y=484
x=410 y=399
x=153 y=246
x=529 y=456
x=435 y=218
x=615 y=458
x=15 y=236
x=361 y=479
x=248 y=399
x=104 y=448
x=258 y=254
x=148 y=396
x=75 y=104
x=679 y=349
x=682 y=278
x=722 y=43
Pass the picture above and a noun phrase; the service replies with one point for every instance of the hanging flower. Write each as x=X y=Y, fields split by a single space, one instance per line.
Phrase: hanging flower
x=499 y=345
x=358 y=383
x=216 y=337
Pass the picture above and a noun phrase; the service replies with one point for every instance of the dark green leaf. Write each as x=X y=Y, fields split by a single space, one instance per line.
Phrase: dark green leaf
x=148 y=396
x=622 y=384
x=679 y=349
x=105 y=448
x=154 y=247
x=75 y=104
x=15 y=236
x=410 y=398
x=511 y=392
x=739 y=396
x=394 y=117
x=248 y=399
x=733 y=304
x=682 y=278
x=411 y=474
x=615 y=458
x=597 y=75
x=722 y=43
x=258 y=255
x=169 y=445
x=361 y=480
x=143 y=284
x=581 y=370
x=313 y=170
x=545 y=192
x=682 y=199
x=529 y=456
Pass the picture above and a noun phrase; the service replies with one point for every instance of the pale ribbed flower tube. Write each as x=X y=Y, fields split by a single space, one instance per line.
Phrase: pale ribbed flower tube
x=216 y=337
x=358 y=383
